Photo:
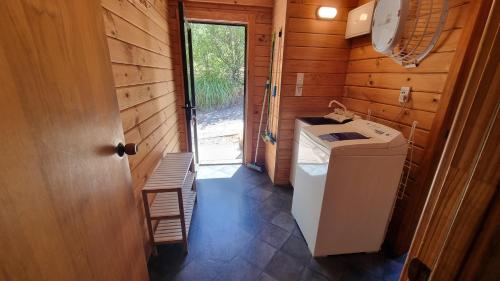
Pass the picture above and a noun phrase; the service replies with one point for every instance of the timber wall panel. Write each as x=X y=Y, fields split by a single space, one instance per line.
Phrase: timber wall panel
x=142 y=64
x=242 y=3
x=318 y=49
x=373 y=82
x=364 y=80
x=278 y=24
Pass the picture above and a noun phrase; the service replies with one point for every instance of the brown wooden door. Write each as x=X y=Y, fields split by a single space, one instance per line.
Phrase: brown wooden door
x=66 y=204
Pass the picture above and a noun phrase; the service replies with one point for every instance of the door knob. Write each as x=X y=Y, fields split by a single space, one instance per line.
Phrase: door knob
x=129 y=149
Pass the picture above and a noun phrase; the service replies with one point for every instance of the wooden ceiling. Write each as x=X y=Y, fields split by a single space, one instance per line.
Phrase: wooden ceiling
x=255 y=3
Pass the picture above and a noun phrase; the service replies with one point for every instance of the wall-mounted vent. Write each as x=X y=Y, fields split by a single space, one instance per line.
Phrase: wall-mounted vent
x=359 y=20
x=407 y=30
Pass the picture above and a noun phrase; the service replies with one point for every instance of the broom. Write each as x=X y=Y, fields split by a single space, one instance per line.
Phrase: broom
x=254 y=165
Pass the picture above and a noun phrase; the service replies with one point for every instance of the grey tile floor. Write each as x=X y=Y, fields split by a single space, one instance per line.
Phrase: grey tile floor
x=242 y=229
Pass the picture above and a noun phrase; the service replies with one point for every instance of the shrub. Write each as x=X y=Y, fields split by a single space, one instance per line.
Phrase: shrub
x=219 y=60
x=214 y=91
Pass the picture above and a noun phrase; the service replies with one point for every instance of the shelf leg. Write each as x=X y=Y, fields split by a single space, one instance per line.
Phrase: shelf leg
x=148 y=218
x=183 y=221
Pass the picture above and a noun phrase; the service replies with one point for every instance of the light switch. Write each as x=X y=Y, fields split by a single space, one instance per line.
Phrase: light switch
x=299 y=84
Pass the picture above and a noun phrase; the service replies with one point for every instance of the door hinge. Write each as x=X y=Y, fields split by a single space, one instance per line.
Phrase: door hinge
x=418 y=271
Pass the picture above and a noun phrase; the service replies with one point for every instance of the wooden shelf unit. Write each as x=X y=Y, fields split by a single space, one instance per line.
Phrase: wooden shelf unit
x=169 y=214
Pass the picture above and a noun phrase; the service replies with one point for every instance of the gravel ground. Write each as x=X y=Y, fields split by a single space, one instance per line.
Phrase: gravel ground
x=220 y=134
x=210 y=117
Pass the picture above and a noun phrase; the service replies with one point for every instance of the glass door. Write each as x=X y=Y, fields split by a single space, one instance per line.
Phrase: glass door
x=189 y=89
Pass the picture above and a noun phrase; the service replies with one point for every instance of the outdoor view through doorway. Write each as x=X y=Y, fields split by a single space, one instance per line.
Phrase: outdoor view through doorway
x=219 y=76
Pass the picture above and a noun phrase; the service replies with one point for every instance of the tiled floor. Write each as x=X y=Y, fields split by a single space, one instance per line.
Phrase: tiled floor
x=242 y=229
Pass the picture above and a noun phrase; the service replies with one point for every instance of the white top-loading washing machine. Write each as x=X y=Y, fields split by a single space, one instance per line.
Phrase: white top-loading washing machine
x=300 y=123
x=346 y=180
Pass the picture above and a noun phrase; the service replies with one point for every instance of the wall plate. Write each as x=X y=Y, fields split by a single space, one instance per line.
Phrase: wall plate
x=404 y=94
x=299 y=84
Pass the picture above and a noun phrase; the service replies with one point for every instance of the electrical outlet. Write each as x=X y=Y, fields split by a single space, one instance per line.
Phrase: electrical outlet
x=404 y=94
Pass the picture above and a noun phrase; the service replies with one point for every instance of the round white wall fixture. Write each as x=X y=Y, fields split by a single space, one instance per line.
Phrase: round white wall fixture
x=407 y=30
x=386 y=26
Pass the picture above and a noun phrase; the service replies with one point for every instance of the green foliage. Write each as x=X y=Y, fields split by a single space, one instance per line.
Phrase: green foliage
x=213 y=91
x=219 y=64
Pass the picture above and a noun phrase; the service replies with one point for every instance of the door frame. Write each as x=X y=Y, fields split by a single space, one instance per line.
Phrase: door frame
x=198 y=15
x=187 y=106
x=193 y=92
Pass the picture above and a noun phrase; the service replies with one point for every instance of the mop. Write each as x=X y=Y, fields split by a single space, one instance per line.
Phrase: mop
x=268 y=134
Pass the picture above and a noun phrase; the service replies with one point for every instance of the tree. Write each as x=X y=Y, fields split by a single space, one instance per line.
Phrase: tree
x=219 y=64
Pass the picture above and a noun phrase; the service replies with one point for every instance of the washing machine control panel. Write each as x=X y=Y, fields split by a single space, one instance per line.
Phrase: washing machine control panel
x=375 y=130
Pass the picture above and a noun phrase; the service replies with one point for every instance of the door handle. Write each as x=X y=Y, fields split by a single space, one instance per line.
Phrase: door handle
x=188 y=107
x=129 y=149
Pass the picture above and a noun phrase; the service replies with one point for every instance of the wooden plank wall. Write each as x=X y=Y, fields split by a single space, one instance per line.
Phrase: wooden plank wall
x=279 y=23
x=373 y=82
x=351 y=71
x=251 y=3
x=257 y=15
x=318 y=49
x=464 y=199
x=141 y=57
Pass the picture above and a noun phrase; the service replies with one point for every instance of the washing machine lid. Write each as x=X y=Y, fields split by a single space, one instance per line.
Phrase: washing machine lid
x=342 y=136
x=358 y=135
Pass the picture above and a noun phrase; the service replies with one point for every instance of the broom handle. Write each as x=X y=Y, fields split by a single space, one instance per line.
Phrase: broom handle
x=260 y=125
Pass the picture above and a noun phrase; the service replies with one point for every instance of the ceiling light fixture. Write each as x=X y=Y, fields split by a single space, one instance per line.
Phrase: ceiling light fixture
x=327 y=13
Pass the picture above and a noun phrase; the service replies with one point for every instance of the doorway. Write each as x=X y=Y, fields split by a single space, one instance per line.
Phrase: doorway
x=218 y=82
